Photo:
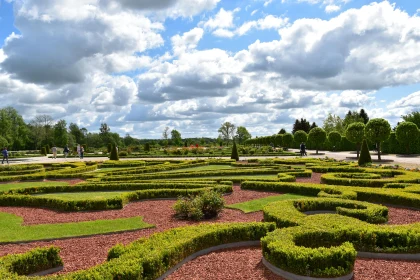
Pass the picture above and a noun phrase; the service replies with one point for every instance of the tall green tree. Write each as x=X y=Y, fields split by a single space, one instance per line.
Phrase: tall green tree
x=242 y=134
x=317 y=136
x=407 y=134
x=333 y=123
x=13 y=128
x=413 y=117
x=364 y=116
x=104 y=132
x=176 y=137
x=355 y=133
x=301 y=124
x=377 y=130
x=282 y=131
x=227 y=131
x=60 y=133
x=352 y=117
x=76 y=132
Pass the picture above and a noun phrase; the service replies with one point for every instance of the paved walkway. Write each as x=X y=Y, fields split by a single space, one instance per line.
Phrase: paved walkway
x=411 y=162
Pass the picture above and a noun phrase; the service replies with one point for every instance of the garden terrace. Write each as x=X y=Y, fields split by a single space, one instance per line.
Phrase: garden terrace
x=55 y=210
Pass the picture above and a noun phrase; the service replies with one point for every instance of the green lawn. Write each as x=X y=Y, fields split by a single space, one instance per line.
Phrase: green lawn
x=200 y=168
x=258 y=204
x=83 y=195
x=13 y=231
x=11 y=186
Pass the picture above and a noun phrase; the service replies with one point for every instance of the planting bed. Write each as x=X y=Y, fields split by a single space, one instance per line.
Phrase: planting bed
x=132 y=190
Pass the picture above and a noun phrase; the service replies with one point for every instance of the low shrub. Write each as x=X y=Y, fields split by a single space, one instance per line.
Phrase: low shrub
x=206 y=205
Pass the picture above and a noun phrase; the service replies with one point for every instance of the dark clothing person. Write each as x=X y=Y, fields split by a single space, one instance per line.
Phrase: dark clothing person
x=5 y=156
x=82 y=151
x=303 y=150
x=66 y=151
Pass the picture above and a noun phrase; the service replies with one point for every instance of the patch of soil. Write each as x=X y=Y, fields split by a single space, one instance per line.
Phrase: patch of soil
x=314 y=179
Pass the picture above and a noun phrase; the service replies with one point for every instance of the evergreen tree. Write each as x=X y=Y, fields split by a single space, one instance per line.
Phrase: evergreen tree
x=282 y=131
x=114 y=153
x=235 y=154
x=364 y=154
x=303 y=124
x=364 y=116
x=313 y=125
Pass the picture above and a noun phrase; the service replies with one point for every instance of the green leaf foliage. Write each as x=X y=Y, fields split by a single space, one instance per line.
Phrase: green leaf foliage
x=407 y=133
x=300 y=136
x=364 y=155
x=317 y=136
x=234 y=154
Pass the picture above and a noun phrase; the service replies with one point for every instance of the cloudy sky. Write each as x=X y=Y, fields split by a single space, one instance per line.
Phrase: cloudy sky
x=142 y=65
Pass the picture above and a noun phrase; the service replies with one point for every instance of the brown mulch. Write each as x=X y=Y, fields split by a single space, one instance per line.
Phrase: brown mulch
x=238 y=263
x=315 y=179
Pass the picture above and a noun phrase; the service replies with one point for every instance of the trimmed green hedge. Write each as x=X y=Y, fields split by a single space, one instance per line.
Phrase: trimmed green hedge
x=31 y=262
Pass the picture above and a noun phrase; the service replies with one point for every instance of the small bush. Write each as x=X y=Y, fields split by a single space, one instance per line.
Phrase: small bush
x=207 y=205
x=123 y=154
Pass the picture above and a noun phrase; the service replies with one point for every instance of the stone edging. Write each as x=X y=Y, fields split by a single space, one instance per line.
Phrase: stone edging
x=207 y=251
x=292 y=276
x=388 y=256
x=48 y=271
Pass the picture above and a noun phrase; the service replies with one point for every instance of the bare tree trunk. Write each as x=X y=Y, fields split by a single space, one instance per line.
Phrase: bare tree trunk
x=379 y=150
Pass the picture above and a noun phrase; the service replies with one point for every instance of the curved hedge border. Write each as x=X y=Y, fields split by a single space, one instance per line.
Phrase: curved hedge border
x=149 y=258
x=325 y=245
x=12 y=266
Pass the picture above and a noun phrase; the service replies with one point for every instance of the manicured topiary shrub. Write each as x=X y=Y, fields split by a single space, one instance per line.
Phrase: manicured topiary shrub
x=300 y=136
x=147 y=147
x=109 y=147
x=287 y=140
x=317 y=136
x=355 y=133
x=407 y=134
x=204 y=206
x=377 y=131
x=235 y=154
x=44 y=151
x=114 y=153
x=335 y=138
x=364 y=155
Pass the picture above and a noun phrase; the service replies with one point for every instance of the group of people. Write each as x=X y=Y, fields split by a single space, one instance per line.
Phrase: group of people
x=66 y=151
x=303 y=150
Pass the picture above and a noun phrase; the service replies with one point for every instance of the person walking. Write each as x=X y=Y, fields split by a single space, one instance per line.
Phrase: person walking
x=82 y=150
x=302 y=149
x=78 y=150
x=54 y=151
x=5 y=155
x=66 y=151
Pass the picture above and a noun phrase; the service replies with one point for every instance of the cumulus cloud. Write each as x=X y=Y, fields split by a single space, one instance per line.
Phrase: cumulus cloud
x=360 y=49
x=332 y=8
x=194 y=75
x=187 y=41
x=411 y=100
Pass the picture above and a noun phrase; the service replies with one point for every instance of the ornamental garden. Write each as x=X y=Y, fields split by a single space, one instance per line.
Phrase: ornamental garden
x=140 y=219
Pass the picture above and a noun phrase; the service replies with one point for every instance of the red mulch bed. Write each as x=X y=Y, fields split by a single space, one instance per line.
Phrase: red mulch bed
x=239 y=263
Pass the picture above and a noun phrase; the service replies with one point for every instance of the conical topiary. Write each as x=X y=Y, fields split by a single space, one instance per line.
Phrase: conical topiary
x=114 y=153
x=364 y=154
x=235 y=154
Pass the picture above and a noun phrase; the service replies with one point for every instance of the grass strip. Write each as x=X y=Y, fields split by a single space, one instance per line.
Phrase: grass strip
x=258 y=204
x=14 y=231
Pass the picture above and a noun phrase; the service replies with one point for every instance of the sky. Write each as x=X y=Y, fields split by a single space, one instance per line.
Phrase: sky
x=191 y=65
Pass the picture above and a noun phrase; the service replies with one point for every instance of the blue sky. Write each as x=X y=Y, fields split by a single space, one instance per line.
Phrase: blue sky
x=141 y=66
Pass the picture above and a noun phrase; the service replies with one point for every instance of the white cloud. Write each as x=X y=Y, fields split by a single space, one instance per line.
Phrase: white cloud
x=187 y=41
x=267 y=2
x=223 y=19
x=268 y=22
x=254 y=12
x=411 y=100
x=332 y=8
x=363 y=49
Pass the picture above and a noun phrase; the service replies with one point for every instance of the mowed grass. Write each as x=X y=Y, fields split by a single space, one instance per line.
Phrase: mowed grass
x=83 y=195
x=258 y=204
x=12 y=186
x=13 y=231
x=200 y=168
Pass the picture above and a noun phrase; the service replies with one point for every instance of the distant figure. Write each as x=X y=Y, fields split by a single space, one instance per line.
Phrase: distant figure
x=78 y=150
x=66 y=151
x=5 y=155
x=82 y=150
x=303 y=150
x=54 y=151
